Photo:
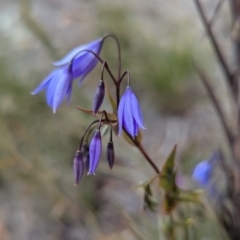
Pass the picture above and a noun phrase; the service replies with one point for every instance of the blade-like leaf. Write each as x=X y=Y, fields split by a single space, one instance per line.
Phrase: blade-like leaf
x=105 y=130
x=148 y=182
x=148 y=201
x=167 y=176
x=190 y=196
x=111 y=116
x=170 y=201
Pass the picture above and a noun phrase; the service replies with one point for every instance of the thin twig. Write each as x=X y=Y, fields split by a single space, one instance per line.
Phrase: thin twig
x=229 y=76
x=102 y=62
x=216 y=104
x=215 y=13
x=119 y=52
x=144 y=153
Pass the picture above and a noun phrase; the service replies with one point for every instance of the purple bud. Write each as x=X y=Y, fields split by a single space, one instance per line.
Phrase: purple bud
x=110 y=154
x=78 y=167
x=85 y=153
x=95 y=150
x=86 y=161
x=99 y=96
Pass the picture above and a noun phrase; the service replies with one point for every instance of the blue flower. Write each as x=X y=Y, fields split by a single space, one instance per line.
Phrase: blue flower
x=129 y=113
x=58 y=84
x=77 y=63
x=83 y=62
x=95 y=151
x=202 y=172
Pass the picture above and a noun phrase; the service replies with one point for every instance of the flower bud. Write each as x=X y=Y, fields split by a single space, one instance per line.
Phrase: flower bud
x=99 y=96
x=78 y=167
x=95 y=151
x=85 y=154
x=110 y=154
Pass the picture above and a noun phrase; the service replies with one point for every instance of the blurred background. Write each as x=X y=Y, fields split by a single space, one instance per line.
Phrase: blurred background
x=38 y=199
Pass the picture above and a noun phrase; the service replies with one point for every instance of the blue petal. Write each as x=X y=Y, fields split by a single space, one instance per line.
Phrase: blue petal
x=59 y=87
x=202 y=172
x=95 y=46
x=120 y=114
x=87 y=71
x=78 y=167
x=95 y=150
x=44 y=83
x=79 y=64
x=51 y=88
x=69 y=92
x=135 y=127
x=128 y=115
x=136 y=110
x=60 y=91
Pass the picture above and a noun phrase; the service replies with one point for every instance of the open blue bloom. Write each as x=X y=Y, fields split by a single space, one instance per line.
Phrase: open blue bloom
x=129 y=113
x=77 y=63
x=203 y=171
x=58 y=84
x=95 y=151
x=83 y=62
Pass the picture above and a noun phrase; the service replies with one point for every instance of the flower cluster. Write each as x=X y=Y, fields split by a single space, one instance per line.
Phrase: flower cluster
x=78 y=63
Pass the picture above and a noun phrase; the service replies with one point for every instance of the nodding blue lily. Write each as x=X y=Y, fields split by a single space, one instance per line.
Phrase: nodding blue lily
x=58 y=84
x=77 y=63
x=83 y=61
x=95 y=151
x=203 y=171
x=129 y=113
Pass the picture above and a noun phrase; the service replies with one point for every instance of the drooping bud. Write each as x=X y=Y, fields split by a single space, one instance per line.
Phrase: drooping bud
x=78 y=167
x=110 y=154
x=99 y=96
x=86 y=161
x=95 y=151
x=85 y=153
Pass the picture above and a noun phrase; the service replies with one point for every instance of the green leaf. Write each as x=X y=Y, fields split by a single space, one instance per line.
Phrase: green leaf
x=111 y=116
x=148 y=182
x=168 y=174
x=190 y=196
x=105 y=130
x=170 y=201
x=148 y=201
